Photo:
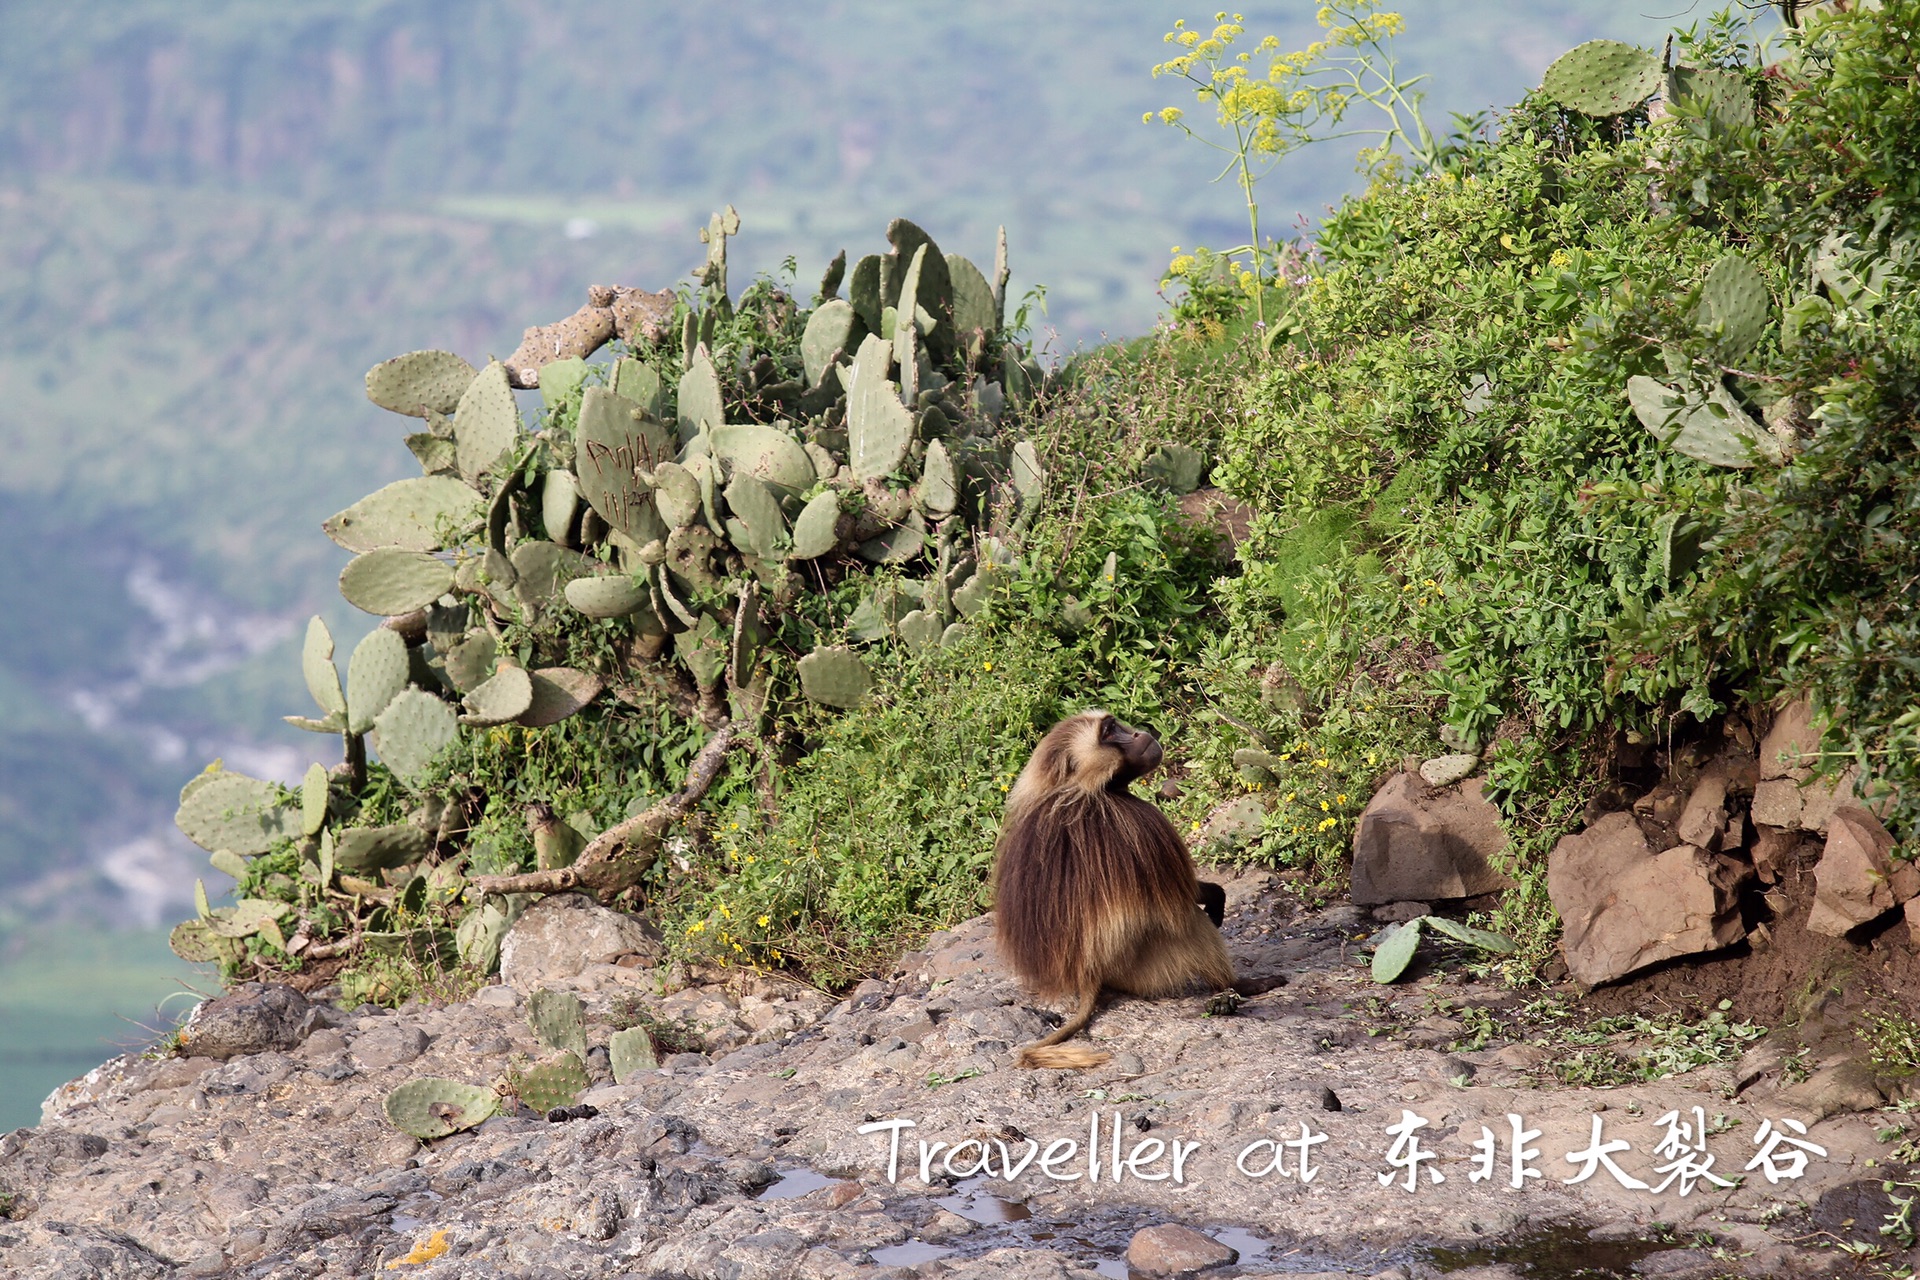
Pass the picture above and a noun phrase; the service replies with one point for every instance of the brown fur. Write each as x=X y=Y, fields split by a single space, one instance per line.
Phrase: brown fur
x=1093 y=887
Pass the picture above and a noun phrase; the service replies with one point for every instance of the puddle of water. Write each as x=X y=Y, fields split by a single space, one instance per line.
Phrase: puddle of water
x=1558 y=1253
x=974 y=1204
x=905 y=1255
x=1114 y=1269
x=794 y=1183
x=1251 y=1247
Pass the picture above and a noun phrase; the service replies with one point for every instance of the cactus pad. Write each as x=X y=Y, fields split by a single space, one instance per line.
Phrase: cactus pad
x=313 y=800
x=558 y=1018
x=434 y=454
x=470 y=662
x=1602 y=78
x=973 y=315
x=1711 y=428
x=1176 y=468
x=486 y=421
x=608 y=596
x=939 y=489
x=316 y=664
x=759 y=517
x=419 y=383
x=376 y=672
x=899 y=544
x=921 y=630
x=1029 y=477
x=700 y=406
x=366 y=850
x=560 y=379
x=614 y=438
x=541 y=571
x=389 y=581
x=234 y=812
x=865 y=294
x=830 y=331
x=879 y=427
x=412 y=732
x=406 y=514
x=816 y=531
x=1734 y=306
x=639 y=382
x=834 y=677
x=506 y=696
x=677 y=494
x=690 y=554
x=553 y=1083
x=630 y=1052
x=559 y=503
x=428 y=1107
x=559 y=692
x=768 y=454
x=195 y=942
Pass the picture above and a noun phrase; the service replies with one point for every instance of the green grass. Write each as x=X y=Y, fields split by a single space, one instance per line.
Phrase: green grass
x=71 y=997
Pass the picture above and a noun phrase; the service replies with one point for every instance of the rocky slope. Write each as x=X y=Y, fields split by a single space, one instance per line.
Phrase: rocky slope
x=264 y=1152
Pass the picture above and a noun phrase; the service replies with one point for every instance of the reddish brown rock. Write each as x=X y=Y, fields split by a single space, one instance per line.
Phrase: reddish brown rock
x=1791 y=745
x=1625 y=907
x=1420 y=844
x=1173 y=1250
x=1703 y=821
x=1773 y=852
x=1855 y=880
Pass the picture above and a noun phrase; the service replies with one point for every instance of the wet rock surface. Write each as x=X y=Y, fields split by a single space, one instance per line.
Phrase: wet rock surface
x=747 y=1160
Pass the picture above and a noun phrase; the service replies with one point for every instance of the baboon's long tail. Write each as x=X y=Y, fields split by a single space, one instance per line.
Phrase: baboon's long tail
x=1048 y=1052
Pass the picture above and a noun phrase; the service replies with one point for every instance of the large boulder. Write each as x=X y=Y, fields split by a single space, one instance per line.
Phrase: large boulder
x=254 y=1017
x=1624 y=907
x=1856 y=879
x=1417 y=843
x=560 y=935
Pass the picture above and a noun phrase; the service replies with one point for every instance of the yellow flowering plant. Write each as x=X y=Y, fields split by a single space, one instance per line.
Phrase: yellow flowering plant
x=1301 y=97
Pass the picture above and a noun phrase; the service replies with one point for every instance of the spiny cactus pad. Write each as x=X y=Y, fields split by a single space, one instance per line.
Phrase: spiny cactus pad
x=419 y=383
x=1029 y=477
x=640 y=382
x=816 y=531
x=376 y=672
x=428 y=1107
x=365 y=850
x=973 y=315
x=553 y=1083
x=830 y=330
x=559 y=692
x=700 y=405
x=316 y=664
x=389 y=581
x=559 y=1019
x=469 y=664
x=615 y=436
x=506 y=696
x=1710 y=427
x=768 y=454
x=1176 y=468
x=834 y=677
x=413 y=730
x=559 y=502
x=234 y=812
x=630 y=1052
x=486 y=421
x=921 y=630
x=406 y=514
x=879 y=427
x=939 y=491
x=759 y=516
x=1734 y=306
x=677 y=494
x=607 y=596
x=313 y=800
x=195 y=942
x=864 y=293
x=1602 y=78
x=899 y=544
x=541 y=571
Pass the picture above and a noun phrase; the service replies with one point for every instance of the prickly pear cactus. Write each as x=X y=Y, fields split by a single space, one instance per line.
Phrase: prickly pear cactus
x=412 y=731
x=835 y=677
x=1602 y=78
x=555 y=1082
x=504 y=697
x=222 y=810
x=558 y=1018
x=630 y=1052
x=428 y=1107
x=389 y=581
x=1707 y=424
x=1176 y=468
x=419 y=383
x=408 y=514
x=1734 y=306
x=485 y=422
x=376 y=673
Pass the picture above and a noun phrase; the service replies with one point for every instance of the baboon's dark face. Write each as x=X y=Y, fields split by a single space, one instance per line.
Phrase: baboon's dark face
x=1139 y=750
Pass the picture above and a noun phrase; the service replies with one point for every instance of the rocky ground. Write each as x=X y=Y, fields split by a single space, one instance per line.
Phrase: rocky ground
x=264 y=1150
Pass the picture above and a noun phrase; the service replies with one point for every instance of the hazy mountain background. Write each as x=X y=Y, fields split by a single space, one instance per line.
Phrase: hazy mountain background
x=216 y=214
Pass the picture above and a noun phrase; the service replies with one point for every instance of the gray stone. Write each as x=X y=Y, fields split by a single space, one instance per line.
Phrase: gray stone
x=562 y=934
x=388 y=1046
x=1840 y=1089
x=252 y=1018
x=1444 y=771
x=1172 y=1250
x=1416 y=844
x=1625 y=907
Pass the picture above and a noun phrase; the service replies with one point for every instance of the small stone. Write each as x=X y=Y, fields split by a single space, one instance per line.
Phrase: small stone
x=599 y=1218
x=1776 y=803
x=1129 y=1064
x=562 y=934
x=1414 y=844
x=1172 y=1250
x=1853 y=881
x=1773 y=852
x=388 y=1045
x=1444 y=771
x=1704 y=819
x=497 y=996
x=252 y=1018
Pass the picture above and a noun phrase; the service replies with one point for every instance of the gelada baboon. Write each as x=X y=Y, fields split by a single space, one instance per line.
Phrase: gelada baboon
x=1093 y=887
